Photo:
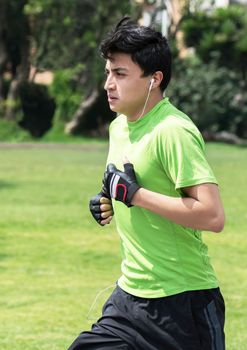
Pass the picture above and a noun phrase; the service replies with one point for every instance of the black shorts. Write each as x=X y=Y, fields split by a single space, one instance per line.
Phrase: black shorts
x=191 y=320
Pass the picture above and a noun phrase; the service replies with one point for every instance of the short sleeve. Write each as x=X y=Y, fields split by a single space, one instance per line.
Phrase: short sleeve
x=181 y=154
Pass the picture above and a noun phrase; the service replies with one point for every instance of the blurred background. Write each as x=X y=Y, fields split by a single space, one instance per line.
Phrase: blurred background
x=54 y=258
x=51 y=75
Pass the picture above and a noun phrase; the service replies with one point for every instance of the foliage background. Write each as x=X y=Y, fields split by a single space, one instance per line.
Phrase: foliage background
x=62 y=38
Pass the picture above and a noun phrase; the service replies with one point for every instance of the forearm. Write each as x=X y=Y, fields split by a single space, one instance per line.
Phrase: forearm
x=187 y=211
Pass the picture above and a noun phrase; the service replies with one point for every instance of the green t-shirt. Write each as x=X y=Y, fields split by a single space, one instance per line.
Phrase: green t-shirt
x=160 y=258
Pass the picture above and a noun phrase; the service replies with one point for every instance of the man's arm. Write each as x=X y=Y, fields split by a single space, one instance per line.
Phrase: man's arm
x=201 y=209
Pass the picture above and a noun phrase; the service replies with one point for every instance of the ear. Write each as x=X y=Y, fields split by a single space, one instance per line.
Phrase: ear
x=158 y=77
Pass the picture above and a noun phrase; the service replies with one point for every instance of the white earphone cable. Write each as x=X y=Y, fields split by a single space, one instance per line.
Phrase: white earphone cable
x=145 y=105
x=95 y=300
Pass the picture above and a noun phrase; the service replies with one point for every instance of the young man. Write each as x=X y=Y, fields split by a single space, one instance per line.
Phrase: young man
x=163 y=193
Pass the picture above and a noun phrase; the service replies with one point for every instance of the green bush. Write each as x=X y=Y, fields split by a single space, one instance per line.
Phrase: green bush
x=66 y=93
x=214 y=97
x=11 y=132
x=220 y=34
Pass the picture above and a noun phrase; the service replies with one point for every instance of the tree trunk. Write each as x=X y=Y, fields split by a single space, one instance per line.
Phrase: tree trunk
x=175 y=10
x=74 y=126
x=3 y=60
x=3 y=52
x=22 y=75
x=12 y=98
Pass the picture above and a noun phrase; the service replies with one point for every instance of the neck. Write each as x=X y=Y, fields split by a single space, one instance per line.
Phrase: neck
x=149 y=104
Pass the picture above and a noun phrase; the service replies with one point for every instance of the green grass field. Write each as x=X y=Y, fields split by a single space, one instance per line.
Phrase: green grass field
x=54 y=258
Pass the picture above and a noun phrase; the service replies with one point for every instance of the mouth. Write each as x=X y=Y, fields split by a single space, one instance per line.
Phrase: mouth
x=112 y=98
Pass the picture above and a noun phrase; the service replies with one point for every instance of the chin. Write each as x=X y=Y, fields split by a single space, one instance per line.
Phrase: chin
x=115 y=109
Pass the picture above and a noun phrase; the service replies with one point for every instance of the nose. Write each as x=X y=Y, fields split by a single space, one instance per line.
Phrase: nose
x=109 y=83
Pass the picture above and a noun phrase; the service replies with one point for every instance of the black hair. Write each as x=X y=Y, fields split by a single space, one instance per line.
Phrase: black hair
x=146 y=46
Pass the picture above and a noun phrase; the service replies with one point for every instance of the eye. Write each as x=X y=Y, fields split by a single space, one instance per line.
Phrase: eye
x=119 y=74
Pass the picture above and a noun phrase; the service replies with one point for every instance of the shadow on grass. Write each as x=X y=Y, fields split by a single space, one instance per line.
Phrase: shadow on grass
x=6 y=184
x=242 y=145
x=3 y=257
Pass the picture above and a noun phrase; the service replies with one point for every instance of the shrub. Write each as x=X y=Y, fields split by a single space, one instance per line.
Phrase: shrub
x=66 y=93
x=219 y=34
x=214 y=97
x=11 y=132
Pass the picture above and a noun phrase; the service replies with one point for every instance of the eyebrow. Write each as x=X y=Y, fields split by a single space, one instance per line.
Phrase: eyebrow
x=117 y=70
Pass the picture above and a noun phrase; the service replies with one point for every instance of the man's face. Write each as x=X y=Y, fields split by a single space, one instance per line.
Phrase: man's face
x=126 y=87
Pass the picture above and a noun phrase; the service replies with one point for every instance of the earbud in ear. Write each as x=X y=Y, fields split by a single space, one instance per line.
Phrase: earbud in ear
x=151 y=84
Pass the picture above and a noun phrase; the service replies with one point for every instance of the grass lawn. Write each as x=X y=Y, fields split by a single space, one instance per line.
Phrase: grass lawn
x=54 y=258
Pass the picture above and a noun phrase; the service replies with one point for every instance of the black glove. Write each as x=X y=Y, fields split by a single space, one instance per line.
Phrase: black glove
x=94 y=206
x=121 y=185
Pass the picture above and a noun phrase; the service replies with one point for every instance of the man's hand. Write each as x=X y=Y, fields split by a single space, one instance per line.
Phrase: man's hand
x=101 y=209
x=121 y=185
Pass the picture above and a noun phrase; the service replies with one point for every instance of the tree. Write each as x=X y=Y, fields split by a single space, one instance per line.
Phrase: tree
x=55 y=35
x=67 y=34
x=14 y=52
x=3 y=48
x=219 y=35
x=212 y=96
x=211 y=82
x=104 y=18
